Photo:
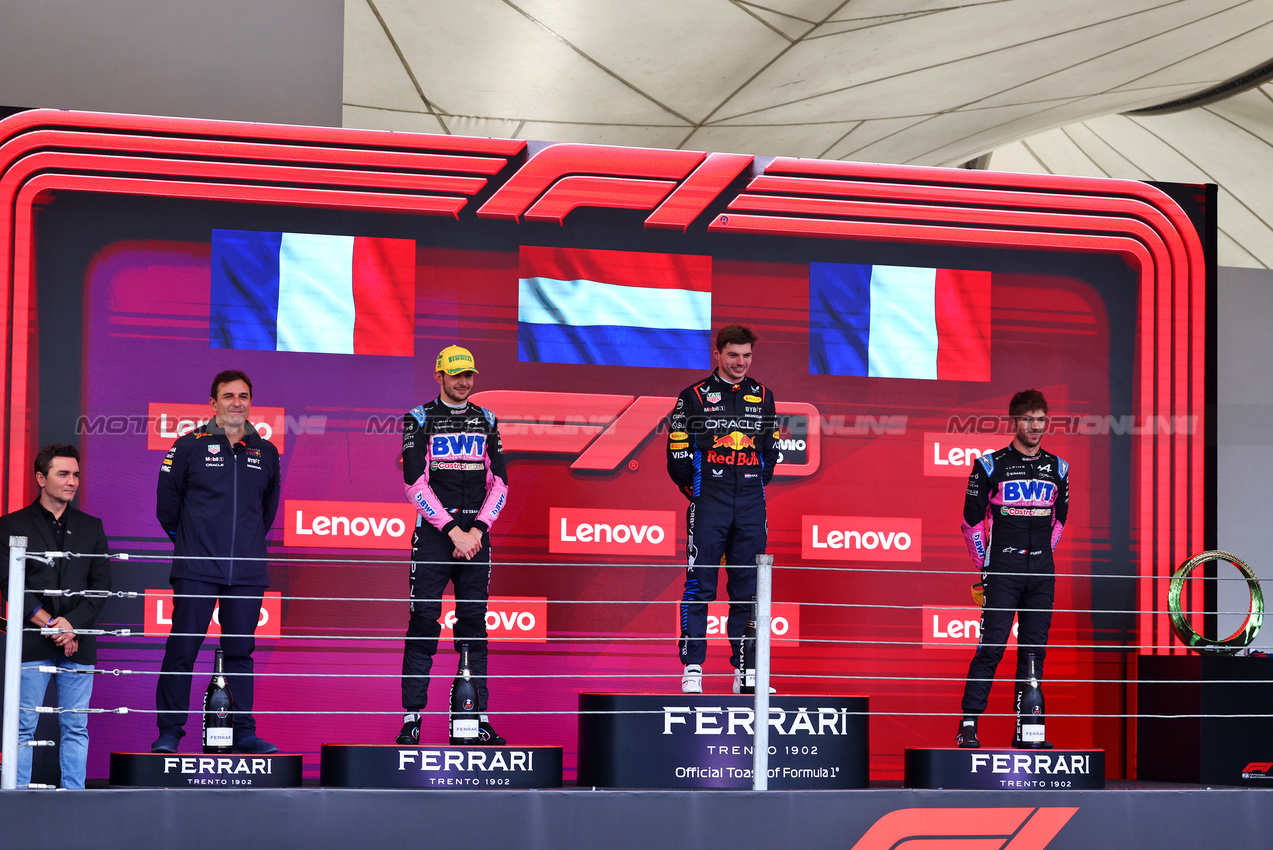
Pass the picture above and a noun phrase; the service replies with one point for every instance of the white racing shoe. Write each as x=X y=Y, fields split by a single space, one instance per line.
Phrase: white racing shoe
x=692 y=681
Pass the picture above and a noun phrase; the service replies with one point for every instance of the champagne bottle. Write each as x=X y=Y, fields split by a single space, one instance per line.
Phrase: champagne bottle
x=747 y=654
x=1030 y=708
x=218 y=702
x=464 y=716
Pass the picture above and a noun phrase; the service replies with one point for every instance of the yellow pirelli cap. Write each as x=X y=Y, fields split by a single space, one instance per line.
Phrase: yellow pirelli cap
x=453 y=360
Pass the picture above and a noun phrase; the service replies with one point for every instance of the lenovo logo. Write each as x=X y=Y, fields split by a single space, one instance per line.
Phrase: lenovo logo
x=522 y=619
x=952 y=456
x=944 y=627
x=598 y=531
x=784 y=623
x=860 y=538
x=347 y=525
x=158 y=614
x=1017 y=828
x=167 y=422
x=605 y=430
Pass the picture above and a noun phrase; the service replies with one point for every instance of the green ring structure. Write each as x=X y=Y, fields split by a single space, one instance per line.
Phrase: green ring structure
x=1180 y=624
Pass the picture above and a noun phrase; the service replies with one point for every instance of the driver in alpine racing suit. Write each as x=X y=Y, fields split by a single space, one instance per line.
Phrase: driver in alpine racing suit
x=453 y=467
x=721 y=451
x=1015 y=509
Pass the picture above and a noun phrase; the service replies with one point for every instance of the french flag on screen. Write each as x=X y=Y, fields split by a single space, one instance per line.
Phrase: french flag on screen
x=899 y=322
x=614 y=308
x=312 y=292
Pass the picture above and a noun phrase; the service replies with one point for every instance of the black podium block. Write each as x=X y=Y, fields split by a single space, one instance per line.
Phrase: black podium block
x=1219 y=747
x=165 y=770
x=393 y=766
x=705 y=741
x=1003 y=770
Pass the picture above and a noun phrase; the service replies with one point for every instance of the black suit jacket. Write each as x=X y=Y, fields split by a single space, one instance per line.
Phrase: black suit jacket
x=84 y=534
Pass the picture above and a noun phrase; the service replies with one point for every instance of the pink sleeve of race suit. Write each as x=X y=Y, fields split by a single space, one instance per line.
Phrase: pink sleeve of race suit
x=427 y=504
x=496 y=477
x=975 y=537
x=1057 y=528
x=496 y=495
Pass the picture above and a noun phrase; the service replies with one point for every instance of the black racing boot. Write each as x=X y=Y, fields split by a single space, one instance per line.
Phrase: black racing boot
x=967 y=737
x=410 y=734
x=487 y=736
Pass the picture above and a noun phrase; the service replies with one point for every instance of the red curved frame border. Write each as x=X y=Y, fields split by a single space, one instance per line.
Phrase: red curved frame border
x=43 y=152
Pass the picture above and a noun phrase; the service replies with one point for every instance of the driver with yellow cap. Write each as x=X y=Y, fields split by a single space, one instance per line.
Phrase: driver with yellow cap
x=453 y=467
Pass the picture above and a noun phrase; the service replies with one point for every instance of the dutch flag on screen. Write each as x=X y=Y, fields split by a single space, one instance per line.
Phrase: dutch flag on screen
x=312 y=292
x=614 y=308
x=899 y=322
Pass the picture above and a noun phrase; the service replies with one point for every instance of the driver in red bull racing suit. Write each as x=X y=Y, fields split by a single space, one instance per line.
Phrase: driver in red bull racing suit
x=721 y=451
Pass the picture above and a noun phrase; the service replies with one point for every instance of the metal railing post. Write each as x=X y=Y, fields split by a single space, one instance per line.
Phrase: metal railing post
x=764 y=605
x=13 y=663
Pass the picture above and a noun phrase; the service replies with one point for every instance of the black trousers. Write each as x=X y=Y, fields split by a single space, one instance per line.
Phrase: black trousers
x=727 y=525
x=432 y=566
x=1030 y=595
x=240 y=611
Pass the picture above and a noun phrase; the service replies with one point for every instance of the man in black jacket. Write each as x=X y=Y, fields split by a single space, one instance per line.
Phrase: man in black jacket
x=217 y=496
x=721 y=451
x=50 y=524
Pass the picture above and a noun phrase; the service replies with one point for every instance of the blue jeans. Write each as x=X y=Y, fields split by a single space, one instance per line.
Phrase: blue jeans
x=73 y=691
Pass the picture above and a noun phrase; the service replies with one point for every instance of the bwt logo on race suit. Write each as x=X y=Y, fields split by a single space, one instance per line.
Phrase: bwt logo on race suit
x=597 y=531
x=457 y=445
x=158 y=614
x=861 y=538
x=947 y=456
x=167 y=422
x=348 y=525
x=523 y=619
x=1029 y=491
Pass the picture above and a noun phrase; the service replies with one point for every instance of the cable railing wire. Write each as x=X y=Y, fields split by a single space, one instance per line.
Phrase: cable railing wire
x=796 y=674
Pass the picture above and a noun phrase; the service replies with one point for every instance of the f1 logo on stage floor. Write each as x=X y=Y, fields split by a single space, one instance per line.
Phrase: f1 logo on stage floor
x=1023 y=828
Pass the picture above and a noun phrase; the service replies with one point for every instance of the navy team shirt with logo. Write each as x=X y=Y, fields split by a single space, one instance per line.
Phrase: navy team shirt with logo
x=217 y=501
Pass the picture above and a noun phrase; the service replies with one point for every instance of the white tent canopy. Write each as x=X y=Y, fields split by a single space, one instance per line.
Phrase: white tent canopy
x=925 y=82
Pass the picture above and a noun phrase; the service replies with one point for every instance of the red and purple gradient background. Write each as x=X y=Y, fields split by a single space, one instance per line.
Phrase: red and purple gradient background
x=1049 y=331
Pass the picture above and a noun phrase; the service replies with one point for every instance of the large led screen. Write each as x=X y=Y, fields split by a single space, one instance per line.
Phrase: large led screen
x=892 y=361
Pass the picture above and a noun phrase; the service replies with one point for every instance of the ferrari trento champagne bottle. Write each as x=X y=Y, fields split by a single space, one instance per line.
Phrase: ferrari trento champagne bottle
x=1030 y=707
x=464 y=716
x=218 y=702
x=747 y=654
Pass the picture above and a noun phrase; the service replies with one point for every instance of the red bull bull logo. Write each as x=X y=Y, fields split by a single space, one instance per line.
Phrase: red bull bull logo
x=735 y=440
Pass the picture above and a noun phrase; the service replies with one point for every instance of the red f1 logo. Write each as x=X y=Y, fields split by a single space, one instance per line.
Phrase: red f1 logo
x=676 y=186
x=606 y=429
x=968 y=829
